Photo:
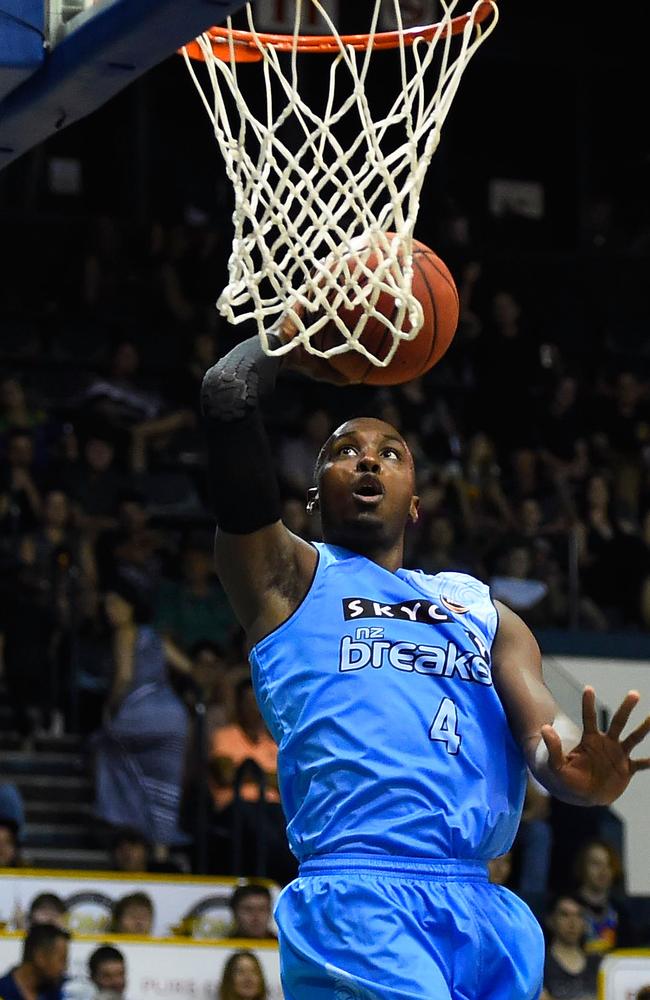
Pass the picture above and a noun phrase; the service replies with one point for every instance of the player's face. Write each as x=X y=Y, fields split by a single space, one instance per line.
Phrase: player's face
x=367 y=484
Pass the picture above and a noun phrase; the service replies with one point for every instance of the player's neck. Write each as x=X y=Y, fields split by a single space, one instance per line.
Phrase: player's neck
x=390 y=558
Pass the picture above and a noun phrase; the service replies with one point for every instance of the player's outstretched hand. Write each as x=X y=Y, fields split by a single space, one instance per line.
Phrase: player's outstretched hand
x=599 y=769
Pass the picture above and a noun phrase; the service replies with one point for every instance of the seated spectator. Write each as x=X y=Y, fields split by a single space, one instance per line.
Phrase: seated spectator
x=118 y=397
x=607 y=922
x=251 y=912
x=539 y=602
x=41 y=972
x=243 y=758
x=140 y=751
x=9 y=852
x=569 y=972
x=132 y=852
x=95 y=481
x=195 y=609
x=133 y=914
x=243 y=978
x=47 y=908
x=107 y=971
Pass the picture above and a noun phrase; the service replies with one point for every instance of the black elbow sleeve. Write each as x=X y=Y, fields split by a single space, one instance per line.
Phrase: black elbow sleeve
x=242 y=484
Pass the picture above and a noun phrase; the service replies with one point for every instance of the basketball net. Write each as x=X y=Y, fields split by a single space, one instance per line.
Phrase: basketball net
x=311 y=216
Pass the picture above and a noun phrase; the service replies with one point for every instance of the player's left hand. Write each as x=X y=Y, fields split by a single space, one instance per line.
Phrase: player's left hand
x=599 y=768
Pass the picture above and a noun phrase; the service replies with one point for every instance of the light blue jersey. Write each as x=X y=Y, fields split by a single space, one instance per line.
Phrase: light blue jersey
x=392 y=738
x=399 y=778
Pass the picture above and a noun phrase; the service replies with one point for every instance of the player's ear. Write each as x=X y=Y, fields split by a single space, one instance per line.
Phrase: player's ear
x=312 y=500
x=414 y=515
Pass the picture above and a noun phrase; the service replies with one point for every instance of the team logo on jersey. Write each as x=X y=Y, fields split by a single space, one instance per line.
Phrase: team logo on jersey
x=369 y=648
x=454 y=606
x=405 y=611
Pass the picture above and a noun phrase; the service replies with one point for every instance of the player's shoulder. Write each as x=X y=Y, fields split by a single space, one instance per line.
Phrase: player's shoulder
x=453 y=588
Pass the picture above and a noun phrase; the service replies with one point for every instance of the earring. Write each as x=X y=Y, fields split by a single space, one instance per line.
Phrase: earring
x=313 y=501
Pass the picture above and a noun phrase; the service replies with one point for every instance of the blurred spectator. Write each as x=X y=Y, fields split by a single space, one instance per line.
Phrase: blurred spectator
x=251 y=912
x=609 y=552
x=47 y=908
x=41 y=972
x=608 y=925
x=195 y=609
x=132 y=852
x=440 y=550
x=539 y=602
x=500 y=869
x=298 y=454
x=140 y=750
x=622 y=420
x=133 y=914
x=506 y=344
x=16 y=414
x=569 y=973
x=95 y=481
x=134 y=548
x=243 y=770
x=563 y=432
x=18 y=481
x=209 y=672
x=107 y=970
x=243 y=978
x=9 y=850
x=118 y=398
x=534 y=843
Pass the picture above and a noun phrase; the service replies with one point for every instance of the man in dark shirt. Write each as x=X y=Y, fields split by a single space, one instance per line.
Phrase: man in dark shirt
x=42 y=969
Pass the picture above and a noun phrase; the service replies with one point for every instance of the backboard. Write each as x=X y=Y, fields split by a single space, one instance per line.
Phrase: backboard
x=60 y=60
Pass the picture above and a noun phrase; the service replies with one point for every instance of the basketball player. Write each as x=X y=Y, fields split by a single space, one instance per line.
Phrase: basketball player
x=405 y=707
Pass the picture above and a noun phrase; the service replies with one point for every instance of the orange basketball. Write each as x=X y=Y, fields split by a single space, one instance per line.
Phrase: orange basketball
x=435 y=289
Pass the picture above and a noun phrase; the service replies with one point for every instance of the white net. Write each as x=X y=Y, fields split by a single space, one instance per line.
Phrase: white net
x=326 y=200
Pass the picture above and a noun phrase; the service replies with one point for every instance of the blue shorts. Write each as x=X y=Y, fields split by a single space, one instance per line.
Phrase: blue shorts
x=359 y=928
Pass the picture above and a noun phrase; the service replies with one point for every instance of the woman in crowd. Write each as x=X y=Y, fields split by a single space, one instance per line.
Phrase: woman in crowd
x=243 y=978
x=140 y=750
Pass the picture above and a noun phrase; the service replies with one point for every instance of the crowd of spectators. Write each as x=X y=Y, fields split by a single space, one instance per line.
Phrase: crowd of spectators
x=43 y=972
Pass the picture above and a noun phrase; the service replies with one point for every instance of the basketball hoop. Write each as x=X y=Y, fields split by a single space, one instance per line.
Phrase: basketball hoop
x=301 y=213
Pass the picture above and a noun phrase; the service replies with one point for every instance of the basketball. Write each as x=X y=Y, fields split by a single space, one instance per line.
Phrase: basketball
x=436 y=291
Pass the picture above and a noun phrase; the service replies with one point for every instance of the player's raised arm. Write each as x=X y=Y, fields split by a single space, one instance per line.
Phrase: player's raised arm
x=264 y=568
x=583 y=768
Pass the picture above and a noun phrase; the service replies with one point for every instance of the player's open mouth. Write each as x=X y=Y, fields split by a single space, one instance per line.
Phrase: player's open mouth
x=368 y=490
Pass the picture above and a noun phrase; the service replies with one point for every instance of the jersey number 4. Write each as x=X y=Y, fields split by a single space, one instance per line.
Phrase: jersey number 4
x=444 y=728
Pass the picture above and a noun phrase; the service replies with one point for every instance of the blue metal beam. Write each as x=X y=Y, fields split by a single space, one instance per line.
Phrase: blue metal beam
x=106 y=53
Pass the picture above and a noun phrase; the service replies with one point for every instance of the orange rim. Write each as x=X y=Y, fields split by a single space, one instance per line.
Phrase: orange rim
x=246 y=46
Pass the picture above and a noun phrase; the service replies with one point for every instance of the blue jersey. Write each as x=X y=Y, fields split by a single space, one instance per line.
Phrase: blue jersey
x=392 y=739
